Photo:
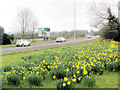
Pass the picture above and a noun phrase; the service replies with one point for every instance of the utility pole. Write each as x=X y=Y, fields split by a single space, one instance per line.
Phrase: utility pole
x=74 y=24
x=119 y=19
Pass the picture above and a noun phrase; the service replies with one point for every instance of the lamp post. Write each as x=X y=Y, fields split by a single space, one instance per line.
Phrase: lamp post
x=119 y=21
x=74 y=24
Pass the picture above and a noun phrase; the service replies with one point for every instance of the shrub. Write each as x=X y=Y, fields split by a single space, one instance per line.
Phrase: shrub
x=4 y=82
x=97 y=70
x=35 y=80
x=107 y=33
x=59 y=73
x=79 y=79
x=7 y=68
x=6 y=39
x=19 y=71
x=62 y=84
x=13 y=79
x=89 y=81
x=41 y=72
x=112 y=66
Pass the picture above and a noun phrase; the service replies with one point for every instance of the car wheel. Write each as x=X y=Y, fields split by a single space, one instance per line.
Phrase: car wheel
x=57 y=41
x=16 y=45
x=29 y=44
x=22 y=45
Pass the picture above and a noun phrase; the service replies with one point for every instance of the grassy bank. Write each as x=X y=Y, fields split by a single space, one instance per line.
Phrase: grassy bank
x=70 y=61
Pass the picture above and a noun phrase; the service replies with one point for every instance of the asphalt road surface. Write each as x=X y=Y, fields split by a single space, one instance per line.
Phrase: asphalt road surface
x=43 y=46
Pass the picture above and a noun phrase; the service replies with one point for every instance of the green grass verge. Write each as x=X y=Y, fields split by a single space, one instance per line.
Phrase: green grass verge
x=32 y=43
x=107 y=80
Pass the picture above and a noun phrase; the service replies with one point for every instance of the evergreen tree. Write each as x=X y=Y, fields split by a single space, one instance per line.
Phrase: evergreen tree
x=114 y=26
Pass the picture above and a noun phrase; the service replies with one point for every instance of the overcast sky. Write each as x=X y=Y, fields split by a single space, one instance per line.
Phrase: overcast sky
x=56 y=14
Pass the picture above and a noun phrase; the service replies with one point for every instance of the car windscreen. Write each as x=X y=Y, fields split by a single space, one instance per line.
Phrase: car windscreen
x=19 y=40
x=24 y=40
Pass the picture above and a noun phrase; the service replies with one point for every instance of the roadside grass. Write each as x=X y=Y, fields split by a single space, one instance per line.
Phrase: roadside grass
x=107 y=80
x=4 y=46
x=32 y=43
x=15 y=57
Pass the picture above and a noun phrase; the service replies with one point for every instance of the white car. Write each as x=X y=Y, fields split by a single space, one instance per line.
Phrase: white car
x=22 y=43
x=89 y=36
x=60 y=39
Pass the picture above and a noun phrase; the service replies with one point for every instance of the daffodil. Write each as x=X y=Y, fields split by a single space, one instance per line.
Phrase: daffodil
x=79 y=78
x=54 y=77
x=113 y=69
x=65 y=79
x=64 y=84
x=74 y=75
x=37 y=73
x=78 y=71
x=74 y=80
x=43 y=61
x=68 y=83
x=23 y=78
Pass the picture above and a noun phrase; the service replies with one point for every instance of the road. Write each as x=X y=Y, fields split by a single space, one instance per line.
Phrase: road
x=42 y=46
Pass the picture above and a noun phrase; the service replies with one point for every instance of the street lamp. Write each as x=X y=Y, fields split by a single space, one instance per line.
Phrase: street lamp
x=74 y=24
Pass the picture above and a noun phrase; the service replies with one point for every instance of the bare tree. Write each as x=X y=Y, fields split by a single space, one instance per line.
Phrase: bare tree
x=99 y=13
x=33 y=26
x=25 y=18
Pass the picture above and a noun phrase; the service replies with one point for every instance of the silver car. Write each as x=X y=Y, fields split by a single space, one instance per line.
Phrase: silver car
x=22 y=43
x=60 y=39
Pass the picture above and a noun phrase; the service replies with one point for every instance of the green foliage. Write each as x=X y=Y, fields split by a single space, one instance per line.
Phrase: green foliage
x=112 y=30
x=4 y=82
x=19 y=71
x=6 y=39
x=12 y=37
x=24 y=84
x=73 y=62
x=35 y=80
x=89 y=81
x=13 y=79
x=61 y=84
x=59 y=73
x=106 y=33
x=113 y=66
x=7 y=68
